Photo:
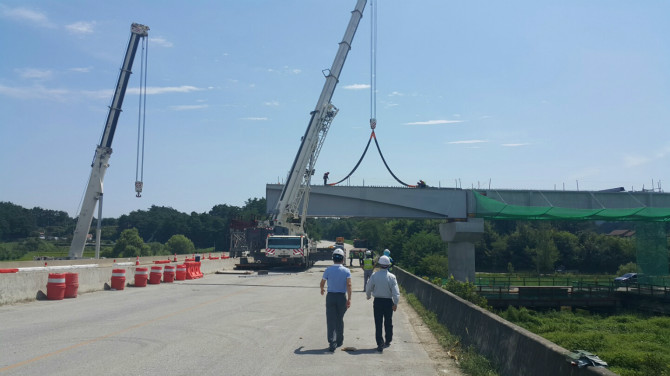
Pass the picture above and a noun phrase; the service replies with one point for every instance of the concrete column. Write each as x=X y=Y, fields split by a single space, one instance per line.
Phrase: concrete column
x=461 y=237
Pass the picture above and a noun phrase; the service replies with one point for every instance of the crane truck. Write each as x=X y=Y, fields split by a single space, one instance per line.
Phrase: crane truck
x=289 y=244
x=103 y=151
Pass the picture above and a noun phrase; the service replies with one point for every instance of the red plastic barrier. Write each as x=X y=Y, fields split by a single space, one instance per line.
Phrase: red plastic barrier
x=169 y=274
x=181 y=272
x=156 y=275
x=56 y=286
x=141 y=276
x=193 y=270
x=9 y=270
x=71 y=285
x=119 y=279
x=162 y=262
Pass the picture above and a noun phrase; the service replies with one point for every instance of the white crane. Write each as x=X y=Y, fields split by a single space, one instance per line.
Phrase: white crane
x=103 y=151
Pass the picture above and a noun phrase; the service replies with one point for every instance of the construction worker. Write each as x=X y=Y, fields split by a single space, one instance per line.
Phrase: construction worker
x=338 y=299
x=325 y=178
x=387 y=253
x=351 y=258
x=368 y=267
x=384 y=287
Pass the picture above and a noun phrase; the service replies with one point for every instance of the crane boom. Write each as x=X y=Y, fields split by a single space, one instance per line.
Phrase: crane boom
x=289 y=213
x=104 y=150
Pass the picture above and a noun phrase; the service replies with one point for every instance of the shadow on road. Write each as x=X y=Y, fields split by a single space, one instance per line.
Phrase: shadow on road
x=300 y=351
x=348 y=350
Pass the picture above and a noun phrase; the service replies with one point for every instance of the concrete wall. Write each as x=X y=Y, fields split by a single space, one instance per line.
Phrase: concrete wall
x=31 y=281
x=515 y=350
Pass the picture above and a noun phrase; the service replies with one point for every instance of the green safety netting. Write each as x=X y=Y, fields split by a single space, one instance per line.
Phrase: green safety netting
x=489 y=208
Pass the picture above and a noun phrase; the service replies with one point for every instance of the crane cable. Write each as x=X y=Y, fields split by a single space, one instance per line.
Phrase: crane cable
x=141 y=120
x=373 y=98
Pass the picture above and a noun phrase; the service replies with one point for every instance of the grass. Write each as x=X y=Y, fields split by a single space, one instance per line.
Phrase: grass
x=468 y=360
x=632 y=344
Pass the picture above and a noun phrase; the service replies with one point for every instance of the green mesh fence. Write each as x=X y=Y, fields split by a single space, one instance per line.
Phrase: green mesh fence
x=650 y=236
x=489 y=208
x=652 y=250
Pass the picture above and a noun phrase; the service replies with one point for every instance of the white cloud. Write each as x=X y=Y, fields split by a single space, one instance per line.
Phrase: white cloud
x=164 y=90
x=188 y=107
x=515 y=145
x=468 y=142
x=357 y=87
x=433 y=122
x=396 y=94
x=272 y=104
x=160 y=41
x=81 y=69
x=81 y=27
x=296 y=71
x=35 y=92
x=635 y=160
x=25 y=14
x=255 y=118
x=33 y=73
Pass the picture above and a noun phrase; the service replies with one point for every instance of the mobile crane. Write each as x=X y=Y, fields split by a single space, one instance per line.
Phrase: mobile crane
x=289 y=245
x=103 y=151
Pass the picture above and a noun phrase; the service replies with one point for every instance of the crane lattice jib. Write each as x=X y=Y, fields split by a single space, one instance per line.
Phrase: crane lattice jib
x=296 y=188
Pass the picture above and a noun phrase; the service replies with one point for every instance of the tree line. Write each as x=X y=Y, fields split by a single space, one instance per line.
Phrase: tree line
x=506 y=245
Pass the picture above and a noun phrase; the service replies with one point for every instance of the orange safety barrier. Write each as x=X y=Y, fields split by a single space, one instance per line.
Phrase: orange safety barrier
x=155 y=275
x=71 y=285
x=162 y=262
x=141 y=276
x=168 y=275
x=181 y=272
x=56 y=286
x=193 y=270
x=118 y=279
x=13 y=270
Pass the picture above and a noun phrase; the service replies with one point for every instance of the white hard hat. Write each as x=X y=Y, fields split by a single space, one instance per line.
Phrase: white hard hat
x=384 y=261
x=338 y=251
x=368 y=252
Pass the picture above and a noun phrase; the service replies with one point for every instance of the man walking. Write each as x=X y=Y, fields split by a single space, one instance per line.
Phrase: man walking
x=384 y=287
x=368 y=267
x=338 y=277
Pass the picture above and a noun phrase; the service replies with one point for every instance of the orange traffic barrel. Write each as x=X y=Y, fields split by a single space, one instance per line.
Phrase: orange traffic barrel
x=71 y=285
x=181 y=272
x=168 y=276
x=156 y=275
x=119 y=279
x=56 y=286
x=141 y=276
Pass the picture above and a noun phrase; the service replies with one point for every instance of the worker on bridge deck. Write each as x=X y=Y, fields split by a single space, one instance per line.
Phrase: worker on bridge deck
x=325 y=178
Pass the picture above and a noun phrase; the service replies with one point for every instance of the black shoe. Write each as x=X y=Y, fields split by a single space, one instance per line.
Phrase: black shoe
x=331 y=348
x=339 y=344
x=387 y=344
x=380 y=348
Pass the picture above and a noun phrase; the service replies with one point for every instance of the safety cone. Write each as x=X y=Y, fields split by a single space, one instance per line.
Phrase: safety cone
x=45 y=264
x=175 y=257
x=137 y=262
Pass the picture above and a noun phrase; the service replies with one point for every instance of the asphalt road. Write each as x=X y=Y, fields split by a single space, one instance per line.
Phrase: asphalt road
x=222 y=324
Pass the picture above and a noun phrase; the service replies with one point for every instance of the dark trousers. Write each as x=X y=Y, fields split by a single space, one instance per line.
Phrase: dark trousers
x=383 y=311
x=336 y=306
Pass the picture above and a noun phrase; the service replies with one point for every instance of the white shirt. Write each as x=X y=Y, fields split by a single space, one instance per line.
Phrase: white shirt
x=383 y=284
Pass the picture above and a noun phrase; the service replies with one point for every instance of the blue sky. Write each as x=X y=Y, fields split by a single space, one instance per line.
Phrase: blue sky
x=515 y=94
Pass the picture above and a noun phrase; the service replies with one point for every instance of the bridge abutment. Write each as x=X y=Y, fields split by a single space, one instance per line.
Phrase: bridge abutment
x=461 y=238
